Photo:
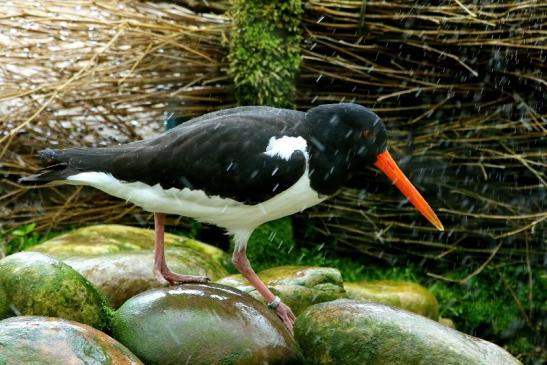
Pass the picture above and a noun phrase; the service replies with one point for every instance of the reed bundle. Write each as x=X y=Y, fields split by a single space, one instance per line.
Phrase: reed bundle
x=462 y=88
x=95 y=73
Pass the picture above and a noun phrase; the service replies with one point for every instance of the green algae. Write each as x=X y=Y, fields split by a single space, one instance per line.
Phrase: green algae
x=405 y=295
x=114 y=238
x=353 y=332
x=211 y=324
x=119 y=276
x=5 y=310
x=36 y=284
x=264 y=53
x=43 y=340
x=297 y=286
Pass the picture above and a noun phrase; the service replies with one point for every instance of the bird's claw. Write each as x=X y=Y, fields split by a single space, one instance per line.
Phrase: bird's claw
x=170 y=278
x=284 y=312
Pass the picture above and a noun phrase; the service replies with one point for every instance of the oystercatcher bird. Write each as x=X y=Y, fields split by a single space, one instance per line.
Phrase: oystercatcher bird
x=237 y=168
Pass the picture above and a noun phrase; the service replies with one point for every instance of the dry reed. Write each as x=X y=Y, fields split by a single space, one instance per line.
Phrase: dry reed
x=95 y=73
x=461 y=86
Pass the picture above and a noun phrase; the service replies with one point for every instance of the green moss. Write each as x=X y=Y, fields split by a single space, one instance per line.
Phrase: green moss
x=297 y=286
x=5 y=310
x=33 y=340
x=356 y=332
x=172 y=325
x=265 y=51
x=402 y=294
x=36 y=284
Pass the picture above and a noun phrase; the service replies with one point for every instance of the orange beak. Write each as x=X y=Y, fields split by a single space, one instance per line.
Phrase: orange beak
x=389 y=167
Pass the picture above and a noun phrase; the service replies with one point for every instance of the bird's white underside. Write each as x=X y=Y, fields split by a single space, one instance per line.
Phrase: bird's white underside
x=237 y=218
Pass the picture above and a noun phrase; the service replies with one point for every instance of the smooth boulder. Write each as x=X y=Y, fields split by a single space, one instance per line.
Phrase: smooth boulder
x=36 y=284
x=203 y=324
x=45 y=340
x=402 y=294
x=115 y=238
x=119 y=276
x=297 y=286
x=353 y=332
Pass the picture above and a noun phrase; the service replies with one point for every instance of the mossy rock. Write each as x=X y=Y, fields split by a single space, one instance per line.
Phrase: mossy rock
x=36 y=284
x=114 y=238
x=264 y=55
x=5 y=310
x=297 y=286
x=119 y=276
x=402 y=294
x=42 y=340
x=353 y=332
x=203 y=324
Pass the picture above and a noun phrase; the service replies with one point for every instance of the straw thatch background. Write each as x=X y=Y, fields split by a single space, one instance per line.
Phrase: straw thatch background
x=461 y=87
x=96 y=73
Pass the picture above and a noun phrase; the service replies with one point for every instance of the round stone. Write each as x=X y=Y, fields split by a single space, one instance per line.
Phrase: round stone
x=119 y=276
x=352 y=332
x=203 y=324
x=46 y=340
x=36 y=284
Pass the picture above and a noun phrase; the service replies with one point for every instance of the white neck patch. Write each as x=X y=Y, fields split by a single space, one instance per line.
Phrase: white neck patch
x=285 y=146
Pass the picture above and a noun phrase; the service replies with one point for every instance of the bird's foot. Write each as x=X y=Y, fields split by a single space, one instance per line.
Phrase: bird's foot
x=285 y=313
x=168 y=277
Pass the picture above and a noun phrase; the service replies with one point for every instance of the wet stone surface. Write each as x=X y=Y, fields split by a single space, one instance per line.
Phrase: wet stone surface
x=353 y=332
x=36 y=284
x=405 y=295
x=203 y=324
x=114 y=238
x=43 y=340
x=297 y=286
x=119 y=276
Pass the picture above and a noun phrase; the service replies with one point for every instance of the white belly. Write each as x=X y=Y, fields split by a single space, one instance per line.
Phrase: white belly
x=223 y=212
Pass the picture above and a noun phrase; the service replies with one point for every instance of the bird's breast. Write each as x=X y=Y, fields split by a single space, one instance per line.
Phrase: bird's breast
x=223 y=212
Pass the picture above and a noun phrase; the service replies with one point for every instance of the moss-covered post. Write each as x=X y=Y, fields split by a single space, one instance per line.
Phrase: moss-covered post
x=264 y=61
x=265 y=51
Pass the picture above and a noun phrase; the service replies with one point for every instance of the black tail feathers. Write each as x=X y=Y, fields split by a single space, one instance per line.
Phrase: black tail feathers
x=51 y=173
x=59 y=171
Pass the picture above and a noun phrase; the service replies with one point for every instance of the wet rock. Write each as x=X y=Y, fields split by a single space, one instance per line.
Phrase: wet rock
x=405 y=295
x=43 y=340
x=297 y=286
x=355 y=332
x=203 y=324
x=36 y=284
x=5 y=310
x=120 y=276
x=114 y=238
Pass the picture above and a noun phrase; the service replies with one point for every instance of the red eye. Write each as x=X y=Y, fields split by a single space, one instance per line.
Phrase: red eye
x=366 y=134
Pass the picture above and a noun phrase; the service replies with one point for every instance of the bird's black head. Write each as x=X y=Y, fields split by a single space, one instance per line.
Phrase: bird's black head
x=347 y=137
x=348 y=129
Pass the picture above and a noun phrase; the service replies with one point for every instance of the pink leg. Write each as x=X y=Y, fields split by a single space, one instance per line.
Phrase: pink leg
x=161 y=270
x=242 y=264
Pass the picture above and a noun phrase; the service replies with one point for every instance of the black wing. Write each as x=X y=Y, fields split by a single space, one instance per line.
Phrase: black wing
x=221 y=153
